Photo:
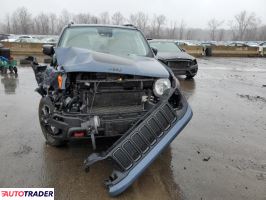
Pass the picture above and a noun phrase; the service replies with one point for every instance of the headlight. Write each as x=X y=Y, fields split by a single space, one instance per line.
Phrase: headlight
x=160 y=86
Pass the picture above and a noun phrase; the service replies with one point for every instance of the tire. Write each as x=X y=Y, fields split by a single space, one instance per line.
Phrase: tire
x=15 y=69
x=190 y=76
x=46 y=107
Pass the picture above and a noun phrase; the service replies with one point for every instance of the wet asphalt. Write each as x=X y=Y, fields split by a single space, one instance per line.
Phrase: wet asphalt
x=221 y=154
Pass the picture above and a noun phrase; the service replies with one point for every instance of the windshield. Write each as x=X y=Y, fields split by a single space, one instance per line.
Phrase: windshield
x=165 y=47
x=111 y=40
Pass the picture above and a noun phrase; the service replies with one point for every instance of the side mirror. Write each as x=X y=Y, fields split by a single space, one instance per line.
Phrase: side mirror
x=48 y=49
x=155 y=51
x=183 y=50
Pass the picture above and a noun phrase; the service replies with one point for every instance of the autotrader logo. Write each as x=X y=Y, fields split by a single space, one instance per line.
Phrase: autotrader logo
x=26 y=193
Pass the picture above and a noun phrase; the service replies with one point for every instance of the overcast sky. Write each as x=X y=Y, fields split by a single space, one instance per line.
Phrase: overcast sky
x=195 y=13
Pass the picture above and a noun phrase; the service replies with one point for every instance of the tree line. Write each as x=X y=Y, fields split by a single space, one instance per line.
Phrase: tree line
x=244 y=26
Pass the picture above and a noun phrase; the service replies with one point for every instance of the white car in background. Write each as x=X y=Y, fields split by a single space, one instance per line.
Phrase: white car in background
x=28 y=40
x=50 y=40
x=7 y=37
x=263 y=44
x=252 y=44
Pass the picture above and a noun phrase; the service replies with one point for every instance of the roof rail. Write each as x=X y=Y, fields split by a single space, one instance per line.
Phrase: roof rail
x=70 y=24
x=130 y=25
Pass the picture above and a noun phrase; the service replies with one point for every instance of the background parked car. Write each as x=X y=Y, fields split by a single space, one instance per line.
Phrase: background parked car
x=51 y=40
x=237 y=44
x=252 y=44
x=3 y=36
x=28 y=40
x=208 y=44
x=187 y=43
x=7 y=37
x=263 y=44
x=176 y=58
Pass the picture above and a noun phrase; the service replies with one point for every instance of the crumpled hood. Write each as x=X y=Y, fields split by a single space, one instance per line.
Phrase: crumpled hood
x=82 y=60
x=174 y=56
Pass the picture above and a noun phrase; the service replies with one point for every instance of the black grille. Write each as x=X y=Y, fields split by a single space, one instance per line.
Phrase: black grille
x=155 y=127
x=150 y=138
x=140 y=142
x=132 y=151
x=110 y=99
x=162 y=120
x=170 y=115
x=122 y=159
x=144 y=137
x=180 y=64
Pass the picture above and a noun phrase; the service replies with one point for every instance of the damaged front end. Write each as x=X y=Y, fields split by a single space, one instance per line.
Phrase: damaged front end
x=88 y=95
x=141 y=144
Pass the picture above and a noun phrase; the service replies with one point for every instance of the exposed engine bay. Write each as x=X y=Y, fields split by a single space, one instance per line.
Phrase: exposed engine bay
x=116 y=101
x=81 y=103
x=93 y=104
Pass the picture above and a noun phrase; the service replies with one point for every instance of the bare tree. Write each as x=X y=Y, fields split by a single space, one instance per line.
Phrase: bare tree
x=262 y=33
x=161 y=20
x=190 y=34
x=6 y=27
x=244 y=26
x=117 y=18
x=156 y=24
x=152 y=28
x=94 y=20
x=182 y=29
x=140 y=20
x=133 y=19
x=64 y=19
x=172 y=30
x=21 y=20
x=213 y=26
x=252 y=30
x=242 y=22
x=41 y=24
x=221 y=33
x=53 y=23
x=104 y=18
x=8 y=24
x=81 y=18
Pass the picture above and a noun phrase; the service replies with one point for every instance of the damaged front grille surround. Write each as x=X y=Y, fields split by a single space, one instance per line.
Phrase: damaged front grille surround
x=138 y=142
x=181 y=64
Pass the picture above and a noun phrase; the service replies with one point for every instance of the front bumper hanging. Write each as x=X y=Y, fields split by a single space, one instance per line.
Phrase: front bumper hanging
x=140 y=145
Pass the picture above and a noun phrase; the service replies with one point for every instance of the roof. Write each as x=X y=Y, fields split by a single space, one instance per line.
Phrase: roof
x=126 y=26
x=162 y=40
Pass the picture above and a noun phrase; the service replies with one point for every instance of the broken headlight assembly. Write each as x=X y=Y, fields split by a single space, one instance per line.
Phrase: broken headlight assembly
x=160 y=86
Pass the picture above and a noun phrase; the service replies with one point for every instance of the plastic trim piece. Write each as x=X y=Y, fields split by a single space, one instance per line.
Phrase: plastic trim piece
x=134 y=173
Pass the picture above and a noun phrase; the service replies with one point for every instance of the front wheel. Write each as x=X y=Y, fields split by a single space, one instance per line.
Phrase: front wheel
x=46 y=108
x=190 y=76
x=15 y=69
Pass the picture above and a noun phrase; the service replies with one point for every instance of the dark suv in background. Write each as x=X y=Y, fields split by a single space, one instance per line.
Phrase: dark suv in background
x=176 y=58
